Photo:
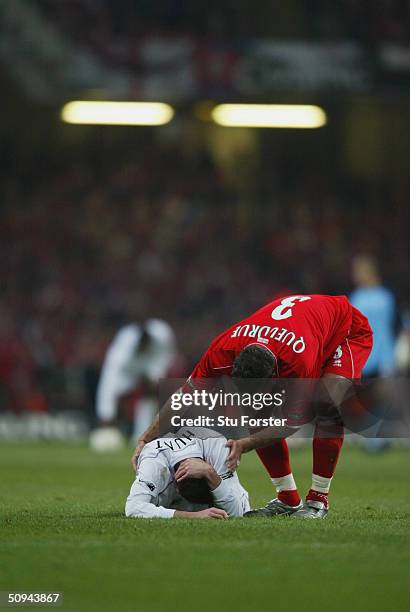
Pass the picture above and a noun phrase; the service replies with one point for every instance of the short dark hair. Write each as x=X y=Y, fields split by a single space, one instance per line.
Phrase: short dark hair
x=196 y=491
x=254 y=362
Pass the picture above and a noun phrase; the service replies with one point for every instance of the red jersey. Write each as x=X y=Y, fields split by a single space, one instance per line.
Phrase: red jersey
x=302 y=331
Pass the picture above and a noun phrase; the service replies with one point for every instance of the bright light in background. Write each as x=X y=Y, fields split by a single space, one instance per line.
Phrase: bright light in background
x=117 y=113
x=269 y=115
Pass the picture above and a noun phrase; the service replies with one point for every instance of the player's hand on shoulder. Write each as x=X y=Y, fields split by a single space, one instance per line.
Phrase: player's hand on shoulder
x=235 y=453
x=210 y=513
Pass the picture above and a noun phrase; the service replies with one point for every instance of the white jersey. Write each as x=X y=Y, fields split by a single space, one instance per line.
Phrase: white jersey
x=154 y=493
x=124 y=367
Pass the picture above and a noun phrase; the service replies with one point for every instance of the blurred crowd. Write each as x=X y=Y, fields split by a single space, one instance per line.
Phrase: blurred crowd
x=113 y=28
x=162 y=231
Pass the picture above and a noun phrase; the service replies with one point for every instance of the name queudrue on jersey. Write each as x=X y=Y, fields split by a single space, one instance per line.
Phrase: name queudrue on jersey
x=262 y=332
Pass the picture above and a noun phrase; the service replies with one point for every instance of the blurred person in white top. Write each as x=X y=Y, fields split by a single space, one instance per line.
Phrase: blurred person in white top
x=186 y=476
x=138 y=356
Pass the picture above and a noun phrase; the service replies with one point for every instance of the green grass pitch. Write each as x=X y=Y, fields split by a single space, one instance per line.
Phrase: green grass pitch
x=62 y=529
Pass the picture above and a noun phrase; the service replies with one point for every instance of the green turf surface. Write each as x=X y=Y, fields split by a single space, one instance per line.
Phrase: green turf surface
x=62 y=529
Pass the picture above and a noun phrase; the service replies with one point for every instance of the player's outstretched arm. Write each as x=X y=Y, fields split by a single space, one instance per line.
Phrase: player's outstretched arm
x=141 y=508
x=152 y=432
x=208 y=513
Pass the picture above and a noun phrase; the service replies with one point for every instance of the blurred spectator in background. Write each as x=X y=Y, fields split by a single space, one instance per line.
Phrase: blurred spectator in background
x=94 y=233
x=138 y=356
x=377 y=303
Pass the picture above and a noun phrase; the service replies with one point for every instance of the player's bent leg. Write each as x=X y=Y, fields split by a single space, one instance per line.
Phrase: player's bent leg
x=326 y=452
x=275 y=458
x=327 y=445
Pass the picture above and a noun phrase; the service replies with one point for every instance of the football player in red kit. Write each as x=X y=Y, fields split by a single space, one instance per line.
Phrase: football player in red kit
x=299 y=336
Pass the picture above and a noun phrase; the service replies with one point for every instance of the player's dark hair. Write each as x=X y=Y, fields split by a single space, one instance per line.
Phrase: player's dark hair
x=254 y=362
x=196 y=491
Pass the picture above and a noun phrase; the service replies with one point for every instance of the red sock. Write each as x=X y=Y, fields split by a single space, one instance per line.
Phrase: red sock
x=291 y=498
x=275 y=458
x=326 y=451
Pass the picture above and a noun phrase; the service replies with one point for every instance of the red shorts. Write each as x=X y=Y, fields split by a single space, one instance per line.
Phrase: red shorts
x=348 y=361
x=350 y=356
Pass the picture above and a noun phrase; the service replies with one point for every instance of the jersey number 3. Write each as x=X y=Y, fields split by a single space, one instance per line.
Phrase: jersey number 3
x=284 y=310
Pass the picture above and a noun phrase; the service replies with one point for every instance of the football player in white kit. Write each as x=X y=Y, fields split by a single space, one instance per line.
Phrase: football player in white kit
x=138 y=355
x=186 y=476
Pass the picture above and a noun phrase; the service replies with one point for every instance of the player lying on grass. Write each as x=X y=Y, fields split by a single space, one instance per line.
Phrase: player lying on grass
x=186 y=477
x=300 y=336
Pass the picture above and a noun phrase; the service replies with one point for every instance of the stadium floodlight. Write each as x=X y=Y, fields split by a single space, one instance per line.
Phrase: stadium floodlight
x=117 y=113
x=269 y=115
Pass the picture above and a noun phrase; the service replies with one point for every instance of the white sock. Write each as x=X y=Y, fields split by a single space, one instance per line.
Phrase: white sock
x=320 y=483
x=284 y=483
